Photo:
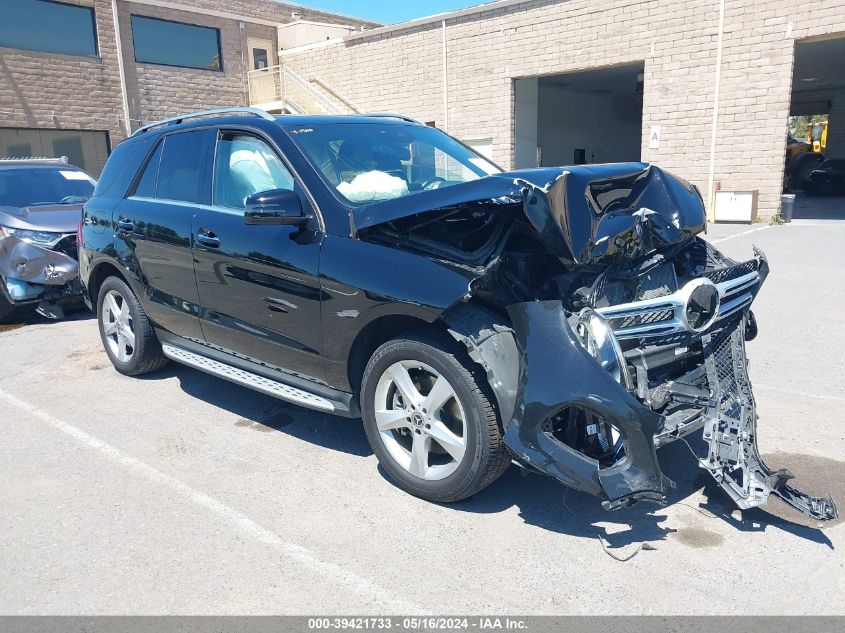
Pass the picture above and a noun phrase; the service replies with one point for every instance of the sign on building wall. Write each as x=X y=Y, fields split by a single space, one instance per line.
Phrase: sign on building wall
x=654 y=137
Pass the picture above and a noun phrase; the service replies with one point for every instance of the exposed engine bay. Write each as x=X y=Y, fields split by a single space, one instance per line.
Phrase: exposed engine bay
x=605 y=325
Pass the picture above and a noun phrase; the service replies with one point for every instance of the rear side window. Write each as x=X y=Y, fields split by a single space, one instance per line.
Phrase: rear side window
x=147 y=185
x=179 y=174
x=174 y=171
x=114 y=165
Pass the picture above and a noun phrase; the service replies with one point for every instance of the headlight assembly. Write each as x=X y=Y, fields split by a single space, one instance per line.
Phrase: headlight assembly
x=597 y=337
x=40 y=238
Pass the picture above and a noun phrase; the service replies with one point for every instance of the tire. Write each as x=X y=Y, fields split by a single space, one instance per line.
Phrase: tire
x=468 y=414
x=140 y=355
x=7 y=309
x=801 y=167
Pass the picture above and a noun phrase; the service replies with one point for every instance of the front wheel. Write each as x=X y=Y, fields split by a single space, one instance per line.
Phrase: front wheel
x=429 y=420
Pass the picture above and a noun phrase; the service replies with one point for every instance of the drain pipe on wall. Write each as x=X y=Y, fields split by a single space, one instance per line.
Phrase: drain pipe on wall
x=445 y=82
x=711 y=210
x=118 y=43
x=242 y=31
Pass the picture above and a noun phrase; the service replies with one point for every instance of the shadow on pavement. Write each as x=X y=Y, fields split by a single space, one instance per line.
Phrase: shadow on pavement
x=547 y=504
x=541 y=501
x=24 y=317
x=264 y=413
x=819 y=207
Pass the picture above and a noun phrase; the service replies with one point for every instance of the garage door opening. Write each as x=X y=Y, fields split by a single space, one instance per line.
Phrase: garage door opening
x=87 y=149
x=591 y=116
x=815 y=164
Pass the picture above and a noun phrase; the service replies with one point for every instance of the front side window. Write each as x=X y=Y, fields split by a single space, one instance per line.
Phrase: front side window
x=245 y=165
x=367 y=162
x=42 y=186
x=48 y=26
x=176 y=44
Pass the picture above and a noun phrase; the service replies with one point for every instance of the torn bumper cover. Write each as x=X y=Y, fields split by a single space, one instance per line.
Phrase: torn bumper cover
x=557 y=374
x=34 y=274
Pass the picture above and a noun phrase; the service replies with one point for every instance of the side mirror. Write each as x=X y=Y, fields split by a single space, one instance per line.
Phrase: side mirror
x=277 y=206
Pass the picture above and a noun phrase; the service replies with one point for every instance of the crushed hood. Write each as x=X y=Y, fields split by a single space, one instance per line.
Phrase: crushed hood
x=583 y=214
x=55 y=218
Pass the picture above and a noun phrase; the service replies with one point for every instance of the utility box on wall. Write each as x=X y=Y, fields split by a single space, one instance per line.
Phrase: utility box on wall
x=736 y=206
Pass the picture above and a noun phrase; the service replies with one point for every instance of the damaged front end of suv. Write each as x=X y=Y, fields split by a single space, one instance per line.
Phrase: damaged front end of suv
x=605 y=325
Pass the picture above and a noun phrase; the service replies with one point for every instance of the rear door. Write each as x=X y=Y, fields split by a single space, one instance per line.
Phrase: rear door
x=258 y=284
x=153 y=228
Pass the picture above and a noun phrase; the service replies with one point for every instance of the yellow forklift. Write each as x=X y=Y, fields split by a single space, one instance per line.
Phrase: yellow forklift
x=803 y=156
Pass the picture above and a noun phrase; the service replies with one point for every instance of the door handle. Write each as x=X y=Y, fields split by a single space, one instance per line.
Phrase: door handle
x=125 y=224
x=207 y=238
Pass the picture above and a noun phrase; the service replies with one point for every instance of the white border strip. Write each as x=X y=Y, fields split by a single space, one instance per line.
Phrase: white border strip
x=748 y=232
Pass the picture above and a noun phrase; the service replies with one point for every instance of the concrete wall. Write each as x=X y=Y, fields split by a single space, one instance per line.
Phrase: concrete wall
x=525 y=114
x=403 y=71
x=608 y=128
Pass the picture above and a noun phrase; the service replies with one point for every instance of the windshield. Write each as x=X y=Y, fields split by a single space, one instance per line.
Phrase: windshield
x=365 y=162
x=33 y=186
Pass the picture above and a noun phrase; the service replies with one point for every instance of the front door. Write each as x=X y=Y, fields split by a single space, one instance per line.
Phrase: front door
x=154 y=225
x=258 y=284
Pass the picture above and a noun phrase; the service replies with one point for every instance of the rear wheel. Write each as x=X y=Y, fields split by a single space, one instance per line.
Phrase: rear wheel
x=127 y=334
x=429 y=419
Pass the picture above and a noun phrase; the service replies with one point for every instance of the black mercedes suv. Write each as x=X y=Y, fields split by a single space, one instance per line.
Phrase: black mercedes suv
x=568 y=319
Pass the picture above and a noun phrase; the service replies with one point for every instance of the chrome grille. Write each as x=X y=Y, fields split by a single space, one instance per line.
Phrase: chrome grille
x=663 y=315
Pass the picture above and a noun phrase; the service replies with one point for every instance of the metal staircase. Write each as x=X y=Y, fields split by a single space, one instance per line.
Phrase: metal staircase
x=281 y=89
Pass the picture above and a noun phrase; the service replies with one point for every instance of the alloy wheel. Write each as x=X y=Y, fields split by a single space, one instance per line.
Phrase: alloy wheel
x=118 y=327
x=420 y=420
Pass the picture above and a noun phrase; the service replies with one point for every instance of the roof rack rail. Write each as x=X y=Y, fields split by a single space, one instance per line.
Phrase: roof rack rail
x=176 y=120
x=61 y=160
x=389 y=115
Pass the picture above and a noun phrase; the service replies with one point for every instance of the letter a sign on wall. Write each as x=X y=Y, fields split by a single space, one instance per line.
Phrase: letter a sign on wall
x=654 y=137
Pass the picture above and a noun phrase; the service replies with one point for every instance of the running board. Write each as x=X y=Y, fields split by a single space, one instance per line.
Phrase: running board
x=247 y=378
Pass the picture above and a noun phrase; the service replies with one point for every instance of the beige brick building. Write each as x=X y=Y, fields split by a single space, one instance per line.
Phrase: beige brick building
x=703 y=88
x=522 y=79
x=77 y=103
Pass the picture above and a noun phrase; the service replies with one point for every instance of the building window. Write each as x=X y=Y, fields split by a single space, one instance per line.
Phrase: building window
x=176 y=44
x=48 y=26
x=259 y=58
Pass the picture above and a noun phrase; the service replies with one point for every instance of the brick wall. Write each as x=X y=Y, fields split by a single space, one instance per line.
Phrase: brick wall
x=157 y=92
x=676 y=39
x=47 y=90
x=50 y=91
